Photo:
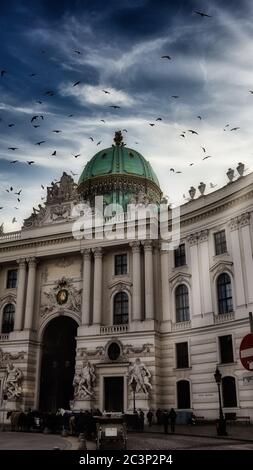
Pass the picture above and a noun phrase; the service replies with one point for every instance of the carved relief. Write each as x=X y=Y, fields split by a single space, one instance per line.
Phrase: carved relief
x=99 y=352
x=6 y=357
x=203 y=235
x=84 y=382
x=139 y=373
x=12 y=386
x=144 y=350
x=63 y=295
x=234 y=223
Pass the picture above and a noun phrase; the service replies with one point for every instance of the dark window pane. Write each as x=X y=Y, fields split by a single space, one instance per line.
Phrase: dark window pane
x=120 y=312
x=179 y=253
x=121 y=264
x=220 y=242
x=8 y=318
x=182 y=303
x=229 y=392
x=225 y=301
x=182 y=355
x=226 y=349
x=12 y=277
x=183 y=394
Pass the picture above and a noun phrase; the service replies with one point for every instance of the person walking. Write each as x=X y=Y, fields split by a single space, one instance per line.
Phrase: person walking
x=150 y=417
x=172 y=416
x=165 y=421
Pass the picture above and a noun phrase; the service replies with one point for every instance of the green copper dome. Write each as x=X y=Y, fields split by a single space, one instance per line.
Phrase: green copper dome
x=121 y=174
x=118 y=160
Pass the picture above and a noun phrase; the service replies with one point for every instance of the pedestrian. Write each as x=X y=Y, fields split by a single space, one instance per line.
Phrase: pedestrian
x=172 y=417
x=165 y=421
x=150 y=417
x=141 y=418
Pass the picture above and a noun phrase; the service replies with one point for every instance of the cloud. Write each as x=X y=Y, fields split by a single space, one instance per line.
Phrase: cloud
x=95 y=95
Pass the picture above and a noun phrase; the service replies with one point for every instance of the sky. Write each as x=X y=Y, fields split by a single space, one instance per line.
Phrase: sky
x=117 y=46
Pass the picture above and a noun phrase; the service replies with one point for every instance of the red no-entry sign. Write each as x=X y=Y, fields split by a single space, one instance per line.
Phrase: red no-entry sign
x=246 y=352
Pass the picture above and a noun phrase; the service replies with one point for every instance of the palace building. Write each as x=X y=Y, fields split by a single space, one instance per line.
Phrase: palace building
x=82 y=318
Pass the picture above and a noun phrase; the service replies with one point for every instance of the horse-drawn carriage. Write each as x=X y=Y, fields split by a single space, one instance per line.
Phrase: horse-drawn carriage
x=111 y=432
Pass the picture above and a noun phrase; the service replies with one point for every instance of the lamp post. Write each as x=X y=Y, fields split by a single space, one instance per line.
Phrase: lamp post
x=133 y=385
x=221 y=428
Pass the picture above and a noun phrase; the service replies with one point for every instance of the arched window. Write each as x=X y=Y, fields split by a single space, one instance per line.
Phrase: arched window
x=229 y=392
x=182 y=303
x=183 y=394
x=225 y=300
x=8 y=318
x=120 y=308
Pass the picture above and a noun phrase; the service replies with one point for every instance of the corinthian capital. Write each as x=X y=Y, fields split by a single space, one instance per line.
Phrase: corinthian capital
x=245 y=219
x=98 y=252
x=234 y=223
x=31 y=261
x=86 y=253
x=136 y=246
x=193 y=239
x=203 y=235
x=148 y=245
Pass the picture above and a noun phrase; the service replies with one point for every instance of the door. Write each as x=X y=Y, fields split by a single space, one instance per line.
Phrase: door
x=114 y=394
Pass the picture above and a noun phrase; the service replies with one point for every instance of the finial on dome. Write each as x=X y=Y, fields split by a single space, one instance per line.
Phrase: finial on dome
x=118 y=138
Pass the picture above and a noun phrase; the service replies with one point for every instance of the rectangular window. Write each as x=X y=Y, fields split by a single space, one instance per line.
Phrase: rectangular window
x=12 y=279
x=226 y=349
x=182 y=355
x=220 y=242
x=121 y=264
x=179 y=253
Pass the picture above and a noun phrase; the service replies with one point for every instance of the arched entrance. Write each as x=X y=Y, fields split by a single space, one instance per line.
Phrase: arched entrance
x=58 y=364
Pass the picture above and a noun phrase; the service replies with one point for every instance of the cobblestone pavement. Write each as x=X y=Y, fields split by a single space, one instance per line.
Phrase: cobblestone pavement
x=149 y=441
x=32 y=441
x=136 y=441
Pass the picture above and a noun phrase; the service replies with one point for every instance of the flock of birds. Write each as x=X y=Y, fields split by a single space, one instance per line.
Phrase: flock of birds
x=37 y=120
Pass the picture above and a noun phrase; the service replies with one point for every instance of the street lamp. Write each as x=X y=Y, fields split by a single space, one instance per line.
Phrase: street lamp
x=133 y=385
x=221 y=428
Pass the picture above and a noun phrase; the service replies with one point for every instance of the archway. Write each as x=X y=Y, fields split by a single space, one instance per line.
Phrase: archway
x=58 y=364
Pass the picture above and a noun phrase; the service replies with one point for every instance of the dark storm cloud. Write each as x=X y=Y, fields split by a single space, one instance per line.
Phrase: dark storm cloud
x=121 y=44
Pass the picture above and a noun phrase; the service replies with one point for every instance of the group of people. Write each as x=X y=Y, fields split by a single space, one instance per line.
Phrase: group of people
x=163 y=417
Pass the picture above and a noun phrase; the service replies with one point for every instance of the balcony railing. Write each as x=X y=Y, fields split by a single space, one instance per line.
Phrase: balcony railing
x=182 y=325
x=4 y=336
x=223 y=317
x=107 y=330
x=7 y=237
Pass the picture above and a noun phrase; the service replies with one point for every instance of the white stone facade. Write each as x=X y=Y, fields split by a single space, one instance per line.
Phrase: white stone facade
x=48 y=257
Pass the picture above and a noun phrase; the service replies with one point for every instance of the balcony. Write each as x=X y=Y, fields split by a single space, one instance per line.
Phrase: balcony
x=182 y=325
x=4 y=336
x=108 y=330
x=223 y=317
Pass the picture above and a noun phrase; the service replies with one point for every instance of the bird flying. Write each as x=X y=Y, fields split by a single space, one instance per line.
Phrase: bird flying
x=41 y=142
x=166 y=57
x=77 y=83
x=106 y=92
x=114 y=106
x=192 y=132
x=12 y=148
x=30 y=162
x=235 y=128
x=200 y=13
x=54 y=154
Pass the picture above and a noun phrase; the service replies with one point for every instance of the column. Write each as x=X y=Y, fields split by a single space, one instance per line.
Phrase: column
x=149 y=281
x=136 y=250
x=248 y=256
x=30 y=293
x=97 y=296
x=86 y=287
x=18 y=324
x=205 y=273
x=164 y=254
x=196 y=299
x=236 y=255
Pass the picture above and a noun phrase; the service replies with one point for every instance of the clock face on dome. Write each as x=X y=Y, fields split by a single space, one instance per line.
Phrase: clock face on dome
x=62 y=296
